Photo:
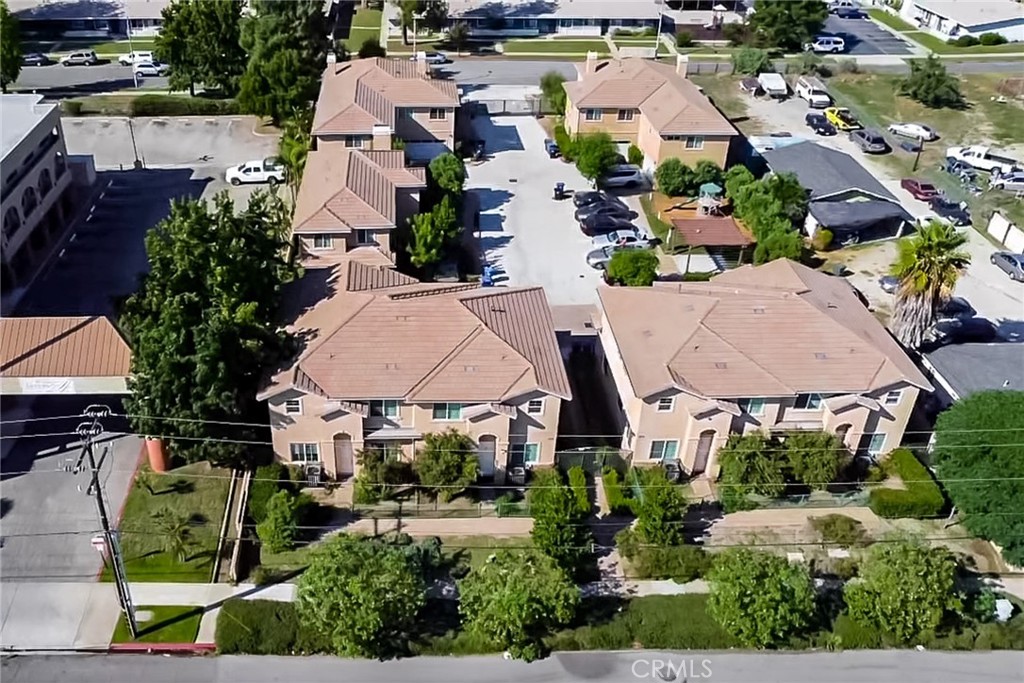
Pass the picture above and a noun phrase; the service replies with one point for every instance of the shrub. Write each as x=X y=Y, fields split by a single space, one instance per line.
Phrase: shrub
x=508 y=505
x=280 y=526
x=921 y=499
x=674 y=178
x=614 y=493
x=699 y=277
x=736 y=34
x=840 y=530
x=847 y=66
x=268 y=480
x=263 y=627
x=822 y=239
x=855 y=636
x=965 y=41
x=992 y=39
x=751 y=61
x=72 y=107
x=176 y=105
x=566 y=145
x=844 y=568
x=371 y=47
x=635 y=156
x=634 y=267
x=578 y=484
x=681 y=563
x=684 y=39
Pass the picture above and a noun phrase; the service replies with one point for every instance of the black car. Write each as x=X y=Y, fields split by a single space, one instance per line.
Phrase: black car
x=616 y=209
x=955 y=308
x=969 y=331
x=36 y=59
x=957 y=214
x=602 y=225
x=819 y=124
x=588 y=197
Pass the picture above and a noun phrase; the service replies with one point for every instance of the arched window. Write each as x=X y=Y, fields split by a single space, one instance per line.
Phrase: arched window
x=45 y=182
x=12 y=222
x=29 y=201
x=60 y=164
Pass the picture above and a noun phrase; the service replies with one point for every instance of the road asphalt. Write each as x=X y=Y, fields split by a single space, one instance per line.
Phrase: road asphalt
x=613 y=667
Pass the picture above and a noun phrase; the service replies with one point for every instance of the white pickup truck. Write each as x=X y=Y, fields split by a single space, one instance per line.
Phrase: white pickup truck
x=267 y=170
x=133 y=58
x=983 y=159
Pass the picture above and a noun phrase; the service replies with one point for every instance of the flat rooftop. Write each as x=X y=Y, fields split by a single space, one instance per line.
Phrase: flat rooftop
x=20 y=115
x=87 y=9
x=555 y=9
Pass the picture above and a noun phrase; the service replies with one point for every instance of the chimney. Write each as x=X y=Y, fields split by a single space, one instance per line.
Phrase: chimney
x=332 y=58
x=421 y=63
x=591 y=66
x=682 y=64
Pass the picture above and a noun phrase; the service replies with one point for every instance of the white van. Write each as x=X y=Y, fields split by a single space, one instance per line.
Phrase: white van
x=811 y=89
x=133 y=58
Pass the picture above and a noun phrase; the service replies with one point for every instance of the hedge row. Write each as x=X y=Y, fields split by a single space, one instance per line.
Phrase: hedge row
x=150 y=105
x=922 y=497
x=268 y=480
x=614 y=493
x=264 y=627
x=578 y=484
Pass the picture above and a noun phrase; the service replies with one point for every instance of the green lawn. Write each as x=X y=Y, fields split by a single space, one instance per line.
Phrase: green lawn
x=476 y=549
x=659 y=227
x=200 y=499
x=397 y=46
x=365 y=25
x=112 y=47
x=941 y=47
x=167 y=625
x=891 y=20
x=545 y=46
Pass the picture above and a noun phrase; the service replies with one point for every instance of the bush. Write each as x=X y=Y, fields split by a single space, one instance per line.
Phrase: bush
x=674 y=178
x=735 y=33
x=578 y=484
x=268 y=480
x=699 y=277
x=614 y=493
x=921 y=499
x=965 y=41
x=176 y=105
x=840 y=530
x=71 y=107
x=751 y=61
x=634 y=267
x=635 y=156
x=855 y=636
x=681 y=563
x=844 y=568
x=509 y=505
x=263 y=627
x=822 y=239
x=992 y=39
x=371 y=47
x=262 y=576
x=566 y=145
x=847 y=66
x=684 y=39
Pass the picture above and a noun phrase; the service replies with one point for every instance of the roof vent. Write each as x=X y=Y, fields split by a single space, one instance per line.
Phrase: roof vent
x=495 y=309
x=391 y=366
x=832 y=305
x=821 y=356
x=721 y=366
x=401 y=317
x=469 y=368
x=759 y=310
x=647 y=333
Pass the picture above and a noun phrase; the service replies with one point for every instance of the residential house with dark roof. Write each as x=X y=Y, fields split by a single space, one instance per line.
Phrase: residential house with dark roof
x=959 y=370
x=651 y=105
x=845 y=198
x=947 y=19
x=387 y=359
x=775 y=348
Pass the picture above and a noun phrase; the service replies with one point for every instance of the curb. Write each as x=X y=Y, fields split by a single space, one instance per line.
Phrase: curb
x=163 y=648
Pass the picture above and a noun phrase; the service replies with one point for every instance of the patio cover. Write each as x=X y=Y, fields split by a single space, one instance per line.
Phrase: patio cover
x=856 y=215
x=711 y=231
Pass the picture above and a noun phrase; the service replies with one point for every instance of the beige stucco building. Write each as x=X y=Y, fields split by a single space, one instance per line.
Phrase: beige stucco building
x=774 y=348
x=387 y=359
x=651 y=105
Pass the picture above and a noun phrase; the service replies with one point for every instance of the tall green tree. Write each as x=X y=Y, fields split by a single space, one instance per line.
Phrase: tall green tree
x=788 y=24
x=361 y=595
x=433 y=234
x=707 y=171
x=760 y=598
x=815 y=458
x=660 y=511
x=979 y=459
x=932 y=85
x=552 y=86
x=928 y=266
x=633 y=267
x=10 y=47
x=287 y=43
x=516 y=599
x=201 y=41
x=558 y=529
x=750 y=463
x=674 y=178
x=905 y=590
x=595 y=153
x=202 y=325
x=280 y=526
x=294 y=147
x=447 y=464
x=448 y=172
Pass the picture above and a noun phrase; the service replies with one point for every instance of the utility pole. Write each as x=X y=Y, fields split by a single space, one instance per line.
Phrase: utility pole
x=89 y=431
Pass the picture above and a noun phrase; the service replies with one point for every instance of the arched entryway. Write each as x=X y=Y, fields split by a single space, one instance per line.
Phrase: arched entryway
x=704 y=443
x=487 y=448
x=344 y=457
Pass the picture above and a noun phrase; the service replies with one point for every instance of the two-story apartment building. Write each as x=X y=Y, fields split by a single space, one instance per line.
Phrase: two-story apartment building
x=351 y=200
x=35 y=201
x=370 y=103
x=774 y=348
x=651 y=105
x=388 y=359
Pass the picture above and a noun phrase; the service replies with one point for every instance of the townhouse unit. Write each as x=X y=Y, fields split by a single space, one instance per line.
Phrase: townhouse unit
x=651 y=105
x=386 y=359
x=775 y=348
x=381 y=104
x=350 y=202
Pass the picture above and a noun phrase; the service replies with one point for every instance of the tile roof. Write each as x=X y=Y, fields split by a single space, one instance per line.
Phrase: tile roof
x=62 y=347
x=711 y=231
x=377 y=334
x=773 y=330
x=346 y=189
x=357 y=95
x=672 y=104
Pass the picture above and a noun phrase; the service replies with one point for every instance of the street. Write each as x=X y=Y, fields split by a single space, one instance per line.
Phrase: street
x=889 y=666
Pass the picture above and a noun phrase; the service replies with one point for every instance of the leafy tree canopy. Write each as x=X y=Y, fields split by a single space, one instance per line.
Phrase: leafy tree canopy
x=558 y=529
x=979 y=458
x=449 y=173
x=10 y=47
x=815 y=458
x=674 y=178
x=294 y=147
x=551 y=85
x=660 y=511
x=633 y=267
x=930 y=84
x=458 y=35
x=201 y=41
x=751 y=61
x=788 y=24
x=447 y=464
x=371 y=47
x=749 y=464
x=280 y=526
x=595 y=153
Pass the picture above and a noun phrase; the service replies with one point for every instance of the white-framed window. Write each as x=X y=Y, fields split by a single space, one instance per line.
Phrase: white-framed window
x=664 y=450
x=535 y=406
x=323 y=241
x=447 y=411
x=752 y=406
x=874 y=443
x=666 y=404
x=293 y=406
x=438 y=114
x=365 y=236
x=808 y=402
x=304 y=452
x=527 y=453
x=695 y=142
x=625 y=115
x=383 y=408
x=893 y=397
x=592 y=114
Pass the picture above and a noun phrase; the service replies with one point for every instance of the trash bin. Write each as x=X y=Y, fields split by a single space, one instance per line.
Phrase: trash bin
x=559 y=190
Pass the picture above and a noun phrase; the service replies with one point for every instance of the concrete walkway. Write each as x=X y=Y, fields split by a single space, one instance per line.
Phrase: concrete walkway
x=500 y=527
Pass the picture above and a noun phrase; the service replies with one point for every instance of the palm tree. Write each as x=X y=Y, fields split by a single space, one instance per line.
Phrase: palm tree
x=175 y=532
x=928 y=267
x=294 y=147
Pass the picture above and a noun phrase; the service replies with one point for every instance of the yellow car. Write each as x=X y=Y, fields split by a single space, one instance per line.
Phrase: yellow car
x=842 y=119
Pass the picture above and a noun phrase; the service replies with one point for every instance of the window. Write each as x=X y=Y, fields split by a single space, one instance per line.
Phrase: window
x=323 y=242
x=447 y=411
x=695 y=142
x=383 y=408
x=438 y=114
x=305 y=452
x=29 y=201
x=665 y=405
x=808 y=402
x=354 y=141
x=535 y=406
x=893 y=397
x=365 y=237
x=625 y=115
x=592 y=114
x=874 y=443
x=404 y=113
x=524 y=453
x=752 y=406
x=293 y=406
x=664 y=450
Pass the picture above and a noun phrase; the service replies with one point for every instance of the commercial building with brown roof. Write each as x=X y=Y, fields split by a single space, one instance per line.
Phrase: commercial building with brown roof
x=651 y=105
x=388 y=359
x=353 y=199
x=366 y=103
x=777 y=347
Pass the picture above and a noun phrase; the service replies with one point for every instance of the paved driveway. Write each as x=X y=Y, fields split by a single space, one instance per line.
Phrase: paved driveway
x=532 y=239
x=864 y=37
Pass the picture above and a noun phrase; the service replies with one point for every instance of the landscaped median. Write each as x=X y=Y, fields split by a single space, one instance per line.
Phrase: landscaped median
x=134 y=103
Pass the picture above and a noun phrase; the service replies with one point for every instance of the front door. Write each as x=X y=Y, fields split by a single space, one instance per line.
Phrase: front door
x=485 y=453
x=344 y=460
x=700 y=463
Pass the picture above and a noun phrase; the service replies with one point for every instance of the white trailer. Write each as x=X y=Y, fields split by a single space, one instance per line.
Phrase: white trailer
x=773 y=84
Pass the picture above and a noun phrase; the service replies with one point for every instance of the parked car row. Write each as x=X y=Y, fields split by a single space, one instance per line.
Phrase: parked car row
x=608 y=222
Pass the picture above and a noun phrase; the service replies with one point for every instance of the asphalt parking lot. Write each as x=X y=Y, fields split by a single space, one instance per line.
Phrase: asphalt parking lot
x=530 y=238
x=864 y=37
